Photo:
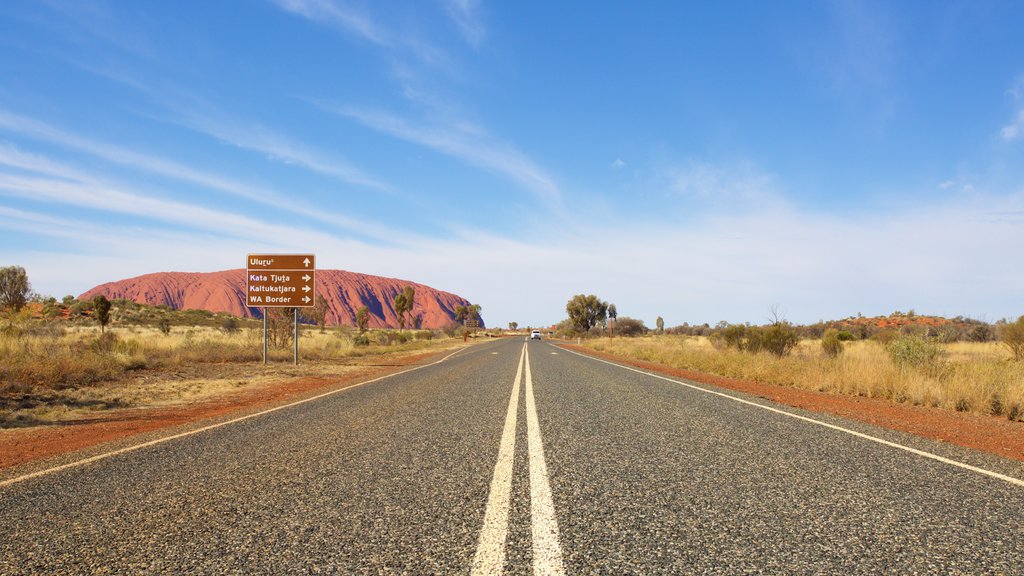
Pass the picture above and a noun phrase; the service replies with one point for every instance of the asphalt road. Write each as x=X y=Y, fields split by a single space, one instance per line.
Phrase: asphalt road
x=520 y=457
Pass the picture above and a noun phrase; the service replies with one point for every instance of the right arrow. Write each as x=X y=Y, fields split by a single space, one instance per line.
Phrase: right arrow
x=306 y=277
x=306 y=299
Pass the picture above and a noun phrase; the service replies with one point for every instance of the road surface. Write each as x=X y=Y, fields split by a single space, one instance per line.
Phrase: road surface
x=516 y=457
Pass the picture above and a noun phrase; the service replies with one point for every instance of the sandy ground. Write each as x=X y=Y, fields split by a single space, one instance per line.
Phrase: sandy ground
x=991 y=434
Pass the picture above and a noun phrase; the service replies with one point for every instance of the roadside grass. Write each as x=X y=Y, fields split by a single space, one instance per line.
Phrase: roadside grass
x=969 y=377
x=71 y=373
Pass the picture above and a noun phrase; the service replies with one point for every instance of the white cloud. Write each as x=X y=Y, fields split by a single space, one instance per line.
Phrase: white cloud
x=728 y=183
x=465 y=14
x=618 y=163
x=1013 y=130
x=339 y=15
x=946 y=184
x=470 y=145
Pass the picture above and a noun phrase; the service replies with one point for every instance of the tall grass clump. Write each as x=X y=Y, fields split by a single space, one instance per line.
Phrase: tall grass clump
x=915 y=352
x=832 y=343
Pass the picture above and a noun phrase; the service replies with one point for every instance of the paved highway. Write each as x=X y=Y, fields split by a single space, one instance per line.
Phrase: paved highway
x=521 y=457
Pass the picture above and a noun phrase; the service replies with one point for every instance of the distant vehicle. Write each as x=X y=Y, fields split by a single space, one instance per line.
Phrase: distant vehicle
x=535 y=335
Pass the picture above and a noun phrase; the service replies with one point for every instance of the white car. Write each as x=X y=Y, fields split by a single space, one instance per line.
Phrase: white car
x=535 y=335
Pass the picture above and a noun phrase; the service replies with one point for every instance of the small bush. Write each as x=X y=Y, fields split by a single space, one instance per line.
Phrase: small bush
x=885 y=337
x=423 y=335
x=733 y=336
x=165 y=326
x=361 y=340
x=845 y=336
x=778 y=339
x=832 y=343
x=230 y=325
x=1011 y=335
x=105 y=343
x=914 y=352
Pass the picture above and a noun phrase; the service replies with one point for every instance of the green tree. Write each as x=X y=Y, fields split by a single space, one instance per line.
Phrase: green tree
x=362 y=318
x=14 y=288
x=613 y=313
x=660 y=323
x=1011 y=334
x=471 y=312
x=403 y=304
x=101 y=306
x=513 y=326
x=586 y=311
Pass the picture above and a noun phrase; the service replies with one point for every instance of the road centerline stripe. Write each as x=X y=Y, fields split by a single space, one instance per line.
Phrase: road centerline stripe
x=923 y=453
x=547 y=552
x=490 y=551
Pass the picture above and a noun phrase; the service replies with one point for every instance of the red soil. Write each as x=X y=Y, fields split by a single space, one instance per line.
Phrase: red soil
x=18 y=446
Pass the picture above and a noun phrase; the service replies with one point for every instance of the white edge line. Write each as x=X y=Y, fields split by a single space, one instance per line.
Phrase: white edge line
x=105 y=455
x=944 y=460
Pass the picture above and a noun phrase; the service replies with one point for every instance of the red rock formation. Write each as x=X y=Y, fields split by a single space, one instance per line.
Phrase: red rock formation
x=345 y=293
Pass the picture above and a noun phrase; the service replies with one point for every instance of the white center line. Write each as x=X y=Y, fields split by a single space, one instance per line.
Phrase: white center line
x=547 y=552
x=490 y=550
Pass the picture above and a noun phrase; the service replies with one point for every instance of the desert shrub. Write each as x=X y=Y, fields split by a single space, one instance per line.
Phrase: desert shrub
x=981 y=333
x=885 y=337
x=914 y=352
x=733 y=336
x=230 y=325
x=1011 y=334
x=832 y=343
x=165 y=326
x=104 y=343
x=626 y=326
x=845 y=336
x=361 y=340
x=778 y=339
x=423 y=335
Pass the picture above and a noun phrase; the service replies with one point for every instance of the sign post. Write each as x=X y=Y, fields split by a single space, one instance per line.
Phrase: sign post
x=280 y=281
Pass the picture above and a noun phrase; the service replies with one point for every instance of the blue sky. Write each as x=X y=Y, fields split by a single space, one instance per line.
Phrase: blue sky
x=701 y=161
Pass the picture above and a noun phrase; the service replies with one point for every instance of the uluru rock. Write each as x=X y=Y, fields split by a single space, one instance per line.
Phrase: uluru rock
x=344 y=291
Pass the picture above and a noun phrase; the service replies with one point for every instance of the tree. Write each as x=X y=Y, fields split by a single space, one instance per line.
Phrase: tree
x=403 y=304
x=319 y=312
x=613 y=313
x=362 y=318
x=101 y=306
x=1011 y=334
x=660 y=323
x=586 y=311
x=461 y=313
x=513 y=326
x=14 y=288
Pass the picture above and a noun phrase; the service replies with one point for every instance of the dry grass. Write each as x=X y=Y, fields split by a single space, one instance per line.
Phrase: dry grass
x=973 y=377
x=62 y=375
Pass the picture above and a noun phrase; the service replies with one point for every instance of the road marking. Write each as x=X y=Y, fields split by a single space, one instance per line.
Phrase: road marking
x=105 y=455
x=547 y=552
x=554 y=353
x=936 y=457
x=490 y=550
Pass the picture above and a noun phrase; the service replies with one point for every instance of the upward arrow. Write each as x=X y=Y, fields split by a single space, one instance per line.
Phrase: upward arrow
x=306 y=262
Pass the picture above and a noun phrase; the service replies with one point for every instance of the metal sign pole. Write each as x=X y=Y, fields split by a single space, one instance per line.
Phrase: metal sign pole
x=264 y=335
x=296 y=337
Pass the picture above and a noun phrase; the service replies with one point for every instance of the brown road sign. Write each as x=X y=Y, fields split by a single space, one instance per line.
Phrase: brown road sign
x=280 y=280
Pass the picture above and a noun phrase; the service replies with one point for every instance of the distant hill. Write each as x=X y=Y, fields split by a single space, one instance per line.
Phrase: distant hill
x=344 y=291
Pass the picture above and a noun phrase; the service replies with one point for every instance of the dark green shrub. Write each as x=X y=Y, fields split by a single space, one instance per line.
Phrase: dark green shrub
x=734 y=335
x=778 y=339
x=845 y=336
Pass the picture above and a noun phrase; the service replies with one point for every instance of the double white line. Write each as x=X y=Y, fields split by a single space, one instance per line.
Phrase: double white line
x=547 y=552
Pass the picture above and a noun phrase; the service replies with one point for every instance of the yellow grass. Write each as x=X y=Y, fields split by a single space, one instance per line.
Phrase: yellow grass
x=74 y=373
x=975 y=377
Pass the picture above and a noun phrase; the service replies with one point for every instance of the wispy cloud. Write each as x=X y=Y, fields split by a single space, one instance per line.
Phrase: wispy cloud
x=464 y=142
x=1015 y=128
x=618 y=163
x=465 y=14
x=339 y=15
x=736 y=183
x=163 y=167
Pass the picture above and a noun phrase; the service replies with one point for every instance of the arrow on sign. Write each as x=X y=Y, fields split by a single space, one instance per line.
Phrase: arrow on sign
x=305 y=288
x=306 y=262
x=306 y=277
x=306 y=299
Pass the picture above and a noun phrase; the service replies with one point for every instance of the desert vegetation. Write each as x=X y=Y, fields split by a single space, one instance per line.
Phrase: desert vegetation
x=67 y=359
x=978 y=377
